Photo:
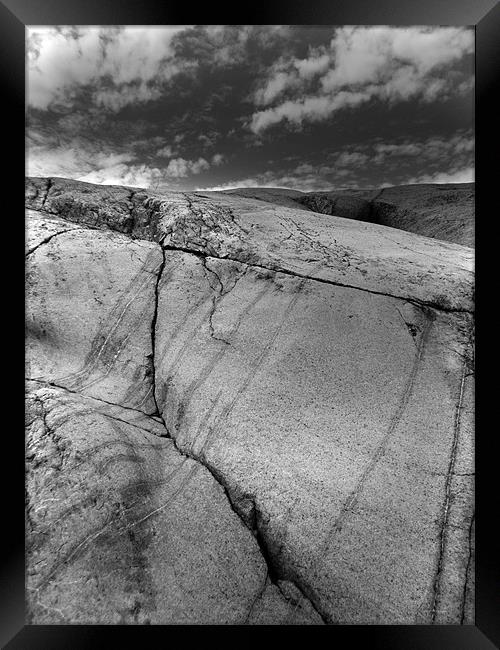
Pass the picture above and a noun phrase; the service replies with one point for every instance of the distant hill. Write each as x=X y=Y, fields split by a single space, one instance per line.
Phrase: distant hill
x=440 y=211
x=276 y=195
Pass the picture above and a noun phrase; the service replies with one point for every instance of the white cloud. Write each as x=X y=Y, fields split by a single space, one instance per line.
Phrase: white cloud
x=116 y=99
x=122 y=174
x=180 y=167
x=274 y=87
x=363 y=63
x=130 y=62
x=431 y=149
x=165 y=152
x=71 y=161
x=347 y=158
x=218 y=159
x=314 y=65
x=365 y=55
x=288 y=75
x=311 y=109
x=291 y=180
x=229 y=44
x=463 y=175
x=83 y=161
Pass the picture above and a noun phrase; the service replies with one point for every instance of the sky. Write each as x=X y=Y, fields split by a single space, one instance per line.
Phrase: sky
x=216 y=107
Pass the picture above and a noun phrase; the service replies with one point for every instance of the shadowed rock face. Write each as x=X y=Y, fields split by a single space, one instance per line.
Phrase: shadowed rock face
x=243 y=412
x=441 y=211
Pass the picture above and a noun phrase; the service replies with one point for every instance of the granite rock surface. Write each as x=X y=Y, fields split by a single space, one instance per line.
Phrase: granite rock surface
x=243 y=412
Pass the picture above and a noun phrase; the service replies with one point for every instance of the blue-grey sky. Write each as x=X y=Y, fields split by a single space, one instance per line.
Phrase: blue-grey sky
x=309 y=108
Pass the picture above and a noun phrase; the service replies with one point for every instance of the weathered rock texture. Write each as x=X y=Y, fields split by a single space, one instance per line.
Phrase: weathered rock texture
x=442 y=211
x=243 y=412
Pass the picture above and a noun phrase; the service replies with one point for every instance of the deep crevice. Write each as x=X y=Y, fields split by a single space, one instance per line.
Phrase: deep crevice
x=50 y=183
x=153 y=335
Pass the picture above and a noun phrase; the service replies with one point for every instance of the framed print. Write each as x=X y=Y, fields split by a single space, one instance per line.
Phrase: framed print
x=250 y=323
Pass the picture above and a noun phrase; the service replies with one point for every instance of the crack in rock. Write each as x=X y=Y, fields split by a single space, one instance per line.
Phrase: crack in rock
x=153 y=334
x=467 y=570
x=50 y=183
x=447 y=499
x=95 y=399
x=47 y=240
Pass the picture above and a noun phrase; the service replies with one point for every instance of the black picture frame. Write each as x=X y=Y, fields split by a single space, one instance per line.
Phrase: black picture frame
x=15 y=15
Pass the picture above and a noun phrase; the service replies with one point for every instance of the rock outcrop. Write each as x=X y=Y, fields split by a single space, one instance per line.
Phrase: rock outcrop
x=244 y=412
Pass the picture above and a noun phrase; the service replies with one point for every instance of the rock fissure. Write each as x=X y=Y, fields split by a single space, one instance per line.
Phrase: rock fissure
x=216 y=298
x=467 y=570
x=50 y=182
x=95 y=399
x=272 y=570
x=273 y=573
x=46 y=241
x=447 y=499
x=258 y=597
x=153 y=334
x=413 y=301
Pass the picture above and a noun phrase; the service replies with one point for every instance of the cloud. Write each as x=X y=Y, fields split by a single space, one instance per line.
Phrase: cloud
x=286 y=180
x=119 y=65
x=370 y=163
x=218 y=159
x=165 y=152
x=463 y=175
x=85 y=160
x=347 y=159
x=316 y=64
x=122 y=174
x=363 y=55
x=230 y=45
x=278 y=81
x=311 y=109
x=286 y=75
x=435 y=149
x=71 y=160
x=90 y=166
x=390 y=64
x=136 y=93
x=180 y=167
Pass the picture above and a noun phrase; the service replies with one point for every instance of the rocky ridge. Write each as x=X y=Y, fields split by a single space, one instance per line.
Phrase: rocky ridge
x=442 y=211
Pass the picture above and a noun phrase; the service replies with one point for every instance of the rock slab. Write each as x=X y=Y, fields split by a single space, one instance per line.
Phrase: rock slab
x=243 y=413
